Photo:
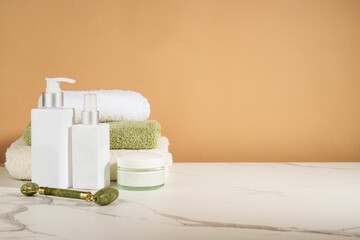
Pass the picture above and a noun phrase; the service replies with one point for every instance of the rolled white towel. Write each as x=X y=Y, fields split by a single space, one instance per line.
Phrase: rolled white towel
x=18 y=158
x=114 y=105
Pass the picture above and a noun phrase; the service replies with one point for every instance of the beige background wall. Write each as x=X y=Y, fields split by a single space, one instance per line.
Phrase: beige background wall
x=227 y=80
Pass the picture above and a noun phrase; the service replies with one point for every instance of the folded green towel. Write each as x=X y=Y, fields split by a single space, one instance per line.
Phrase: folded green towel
x=27 y=134
x=134 y=134
x=125 y=134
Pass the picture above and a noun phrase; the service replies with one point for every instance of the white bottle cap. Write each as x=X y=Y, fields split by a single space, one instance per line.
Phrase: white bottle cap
x=90 y=115
x=90 y=103
x=140 y=161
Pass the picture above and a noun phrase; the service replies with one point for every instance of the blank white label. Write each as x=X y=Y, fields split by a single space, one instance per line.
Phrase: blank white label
x=140 y=179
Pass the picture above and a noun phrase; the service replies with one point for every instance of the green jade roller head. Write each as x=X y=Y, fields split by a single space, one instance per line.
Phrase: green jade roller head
x=104 y=196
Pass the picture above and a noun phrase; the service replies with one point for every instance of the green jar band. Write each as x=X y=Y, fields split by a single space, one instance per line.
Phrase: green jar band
x=139 y=188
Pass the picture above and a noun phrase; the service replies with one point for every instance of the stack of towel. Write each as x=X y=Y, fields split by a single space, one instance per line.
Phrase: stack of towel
x=130 y=131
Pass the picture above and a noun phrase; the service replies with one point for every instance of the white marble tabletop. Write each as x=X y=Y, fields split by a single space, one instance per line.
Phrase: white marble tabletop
x=201 y=201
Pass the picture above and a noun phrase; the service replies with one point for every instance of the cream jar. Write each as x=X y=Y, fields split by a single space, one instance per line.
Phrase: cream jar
x=140 y=171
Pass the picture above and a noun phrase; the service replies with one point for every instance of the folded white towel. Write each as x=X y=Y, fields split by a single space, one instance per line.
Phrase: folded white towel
x=18 y=158
x=114 y=105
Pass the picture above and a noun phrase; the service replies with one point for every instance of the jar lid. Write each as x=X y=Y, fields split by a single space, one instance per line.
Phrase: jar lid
x=140 y=160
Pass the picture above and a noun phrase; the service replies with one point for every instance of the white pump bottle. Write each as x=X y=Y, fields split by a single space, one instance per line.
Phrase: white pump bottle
x=51 y=138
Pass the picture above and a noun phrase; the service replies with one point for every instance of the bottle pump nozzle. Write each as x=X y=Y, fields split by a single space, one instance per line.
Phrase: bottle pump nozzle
x=53 y=84
x=54 y=97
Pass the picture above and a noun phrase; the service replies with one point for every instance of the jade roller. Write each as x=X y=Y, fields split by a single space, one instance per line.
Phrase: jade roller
x=104 y=196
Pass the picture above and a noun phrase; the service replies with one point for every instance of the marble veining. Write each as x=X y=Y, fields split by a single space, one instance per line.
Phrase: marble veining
x=201 y=200
x=261 y=192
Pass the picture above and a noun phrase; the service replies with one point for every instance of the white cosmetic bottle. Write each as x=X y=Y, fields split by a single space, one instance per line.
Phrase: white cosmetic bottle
x=91 y=148
x=50 y=138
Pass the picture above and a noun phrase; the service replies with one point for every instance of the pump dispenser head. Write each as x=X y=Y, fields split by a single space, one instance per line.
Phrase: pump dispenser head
x=54 y=97
x=90 y=115
x=53 y=84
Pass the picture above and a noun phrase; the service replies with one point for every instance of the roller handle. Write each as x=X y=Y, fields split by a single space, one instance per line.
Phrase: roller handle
x=66 y=193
